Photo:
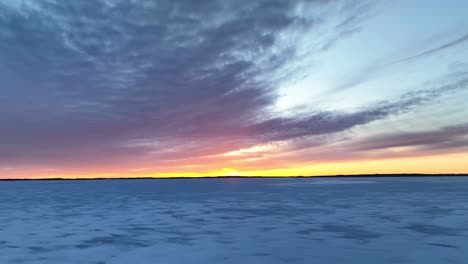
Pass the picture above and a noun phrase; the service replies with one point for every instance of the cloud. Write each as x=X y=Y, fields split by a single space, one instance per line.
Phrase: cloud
x=100 y=83
x=442 y=139
x=379 y=67
x=343 y=148
x=431 y=51
x=324 y=137
x=331 y=122
x=82 y=81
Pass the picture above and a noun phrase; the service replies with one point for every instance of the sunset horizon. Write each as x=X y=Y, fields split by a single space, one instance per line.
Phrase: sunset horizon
x=426 y=165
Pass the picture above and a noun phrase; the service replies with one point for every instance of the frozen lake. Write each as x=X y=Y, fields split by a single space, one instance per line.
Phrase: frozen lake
x=322 y=220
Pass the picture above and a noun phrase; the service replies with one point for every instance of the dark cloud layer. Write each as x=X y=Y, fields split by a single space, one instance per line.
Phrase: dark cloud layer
x=442 y=139
x=112 y=81
x=80 y=80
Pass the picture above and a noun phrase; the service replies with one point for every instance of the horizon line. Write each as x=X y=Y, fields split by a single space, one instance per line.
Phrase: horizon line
x=244 y=177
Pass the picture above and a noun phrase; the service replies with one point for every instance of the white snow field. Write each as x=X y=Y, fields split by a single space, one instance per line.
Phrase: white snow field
x=344 y=220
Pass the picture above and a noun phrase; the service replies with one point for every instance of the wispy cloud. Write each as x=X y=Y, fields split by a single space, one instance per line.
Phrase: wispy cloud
x=431 y=51
x=380 y=67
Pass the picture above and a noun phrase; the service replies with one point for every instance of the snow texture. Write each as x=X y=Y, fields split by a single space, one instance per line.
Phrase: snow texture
x=373 y=220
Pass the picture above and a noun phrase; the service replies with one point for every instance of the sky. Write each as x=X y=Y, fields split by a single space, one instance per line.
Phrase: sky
x=161 y=88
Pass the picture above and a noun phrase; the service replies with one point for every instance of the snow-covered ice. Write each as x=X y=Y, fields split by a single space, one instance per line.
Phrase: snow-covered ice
x=353 y=220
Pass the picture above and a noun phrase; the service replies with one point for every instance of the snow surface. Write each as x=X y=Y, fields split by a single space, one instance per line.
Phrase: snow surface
x=353 y=220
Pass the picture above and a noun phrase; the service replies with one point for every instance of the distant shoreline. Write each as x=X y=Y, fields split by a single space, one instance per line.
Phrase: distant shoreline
x=239 y=177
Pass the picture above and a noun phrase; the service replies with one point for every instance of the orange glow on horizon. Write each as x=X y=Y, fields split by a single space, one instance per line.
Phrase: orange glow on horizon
x=437 y=164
